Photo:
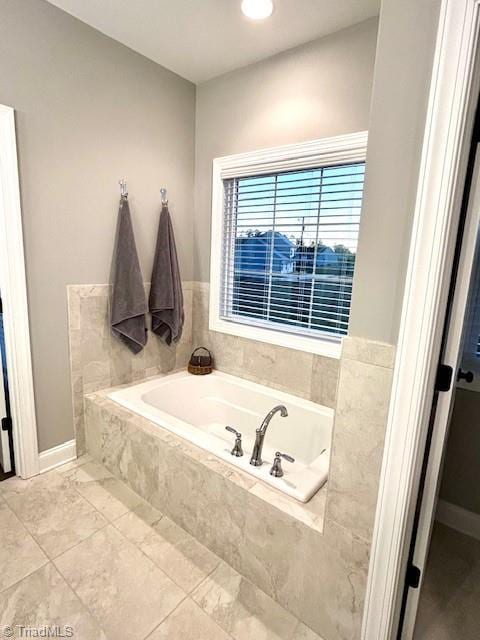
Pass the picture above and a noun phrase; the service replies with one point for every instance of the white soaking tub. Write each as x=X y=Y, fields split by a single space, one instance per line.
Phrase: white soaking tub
x=198 y=408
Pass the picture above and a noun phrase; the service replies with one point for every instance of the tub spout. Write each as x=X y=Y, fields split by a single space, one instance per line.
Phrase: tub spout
x=256 y=459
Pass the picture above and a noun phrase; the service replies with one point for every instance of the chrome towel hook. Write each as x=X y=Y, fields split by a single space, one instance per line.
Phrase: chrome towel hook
x=163 y=193
x=123 y=188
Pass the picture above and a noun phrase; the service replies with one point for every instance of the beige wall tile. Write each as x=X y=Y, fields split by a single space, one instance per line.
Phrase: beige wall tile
x=73 y=296
x=94 y=328
x=280 y=367
x=368 y=351
x=98 y=359
x=285 y=369
x=358 y=439
x=324 y=381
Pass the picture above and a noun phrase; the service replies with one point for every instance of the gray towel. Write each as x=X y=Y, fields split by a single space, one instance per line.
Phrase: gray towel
x=129 y=305
x=166 y=297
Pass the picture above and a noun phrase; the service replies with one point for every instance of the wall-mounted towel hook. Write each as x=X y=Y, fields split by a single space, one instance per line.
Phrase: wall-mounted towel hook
x=163 y=193
x=123 y=188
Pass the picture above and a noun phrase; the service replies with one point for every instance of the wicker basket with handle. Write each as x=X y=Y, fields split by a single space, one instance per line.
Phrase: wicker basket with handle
x=201 y=362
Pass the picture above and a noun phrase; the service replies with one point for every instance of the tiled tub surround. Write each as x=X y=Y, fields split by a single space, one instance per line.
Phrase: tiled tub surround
x=99 y=360
x=314 y=566
x=80 y=549
x=304 y=374
x=218 y=400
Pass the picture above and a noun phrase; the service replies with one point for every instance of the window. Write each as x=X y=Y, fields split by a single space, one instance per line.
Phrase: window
x=285 y=233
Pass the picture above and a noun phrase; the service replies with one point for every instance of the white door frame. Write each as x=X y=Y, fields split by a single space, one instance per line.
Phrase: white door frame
x=444 y=406
x=14 y=296
x=442 y=173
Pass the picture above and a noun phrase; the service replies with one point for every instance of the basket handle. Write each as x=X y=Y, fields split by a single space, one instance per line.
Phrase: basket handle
x=199 y=348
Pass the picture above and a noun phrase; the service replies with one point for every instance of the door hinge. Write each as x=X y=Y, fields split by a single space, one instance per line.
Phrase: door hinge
x=413 y=576
x=6 y=424
x=444 y=378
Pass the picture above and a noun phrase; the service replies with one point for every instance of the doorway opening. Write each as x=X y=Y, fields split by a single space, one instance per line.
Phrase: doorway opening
x=442 y=585
x=7 y=457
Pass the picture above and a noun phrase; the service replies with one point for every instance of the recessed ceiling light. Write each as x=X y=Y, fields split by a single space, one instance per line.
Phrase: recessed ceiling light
x=257 y=9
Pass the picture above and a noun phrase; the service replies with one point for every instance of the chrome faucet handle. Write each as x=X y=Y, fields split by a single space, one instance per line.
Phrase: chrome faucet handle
x=276 y=469
x=237 y=450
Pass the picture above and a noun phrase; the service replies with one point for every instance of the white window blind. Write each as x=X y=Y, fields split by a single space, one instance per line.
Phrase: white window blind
x=289 y=246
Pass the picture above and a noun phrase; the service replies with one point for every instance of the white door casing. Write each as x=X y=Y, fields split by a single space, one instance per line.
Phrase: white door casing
x=15 y=307
x=445 y=402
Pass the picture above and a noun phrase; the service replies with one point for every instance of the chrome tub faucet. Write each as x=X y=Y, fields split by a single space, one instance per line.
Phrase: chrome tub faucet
x=256 y=459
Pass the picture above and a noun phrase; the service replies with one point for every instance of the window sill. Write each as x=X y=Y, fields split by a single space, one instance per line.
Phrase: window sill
x=318 y=346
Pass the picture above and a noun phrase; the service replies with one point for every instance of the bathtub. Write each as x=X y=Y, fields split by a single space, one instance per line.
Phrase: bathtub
x=198 y=408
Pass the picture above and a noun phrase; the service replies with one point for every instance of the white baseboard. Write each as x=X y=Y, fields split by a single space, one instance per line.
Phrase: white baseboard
x=458 y=518
x=56 y=456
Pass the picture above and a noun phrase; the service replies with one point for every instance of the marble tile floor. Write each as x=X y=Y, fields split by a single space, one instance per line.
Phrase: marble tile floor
x=81 y=552
x=449 y=601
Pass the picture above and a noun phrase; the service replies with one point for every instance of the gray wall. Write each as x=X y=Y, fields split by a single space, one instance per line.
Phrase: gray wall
x=317 y=90
x=406 y=42
x=461 y=476
x=89 y=111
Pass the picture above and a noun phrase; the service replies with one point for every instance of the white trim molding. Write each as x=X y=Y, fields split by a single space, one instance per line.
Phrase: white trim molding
x=325 y=151
x=351 y=147
x=56 y=456
x=448 y=126
x=458 y=518
x=14 y=297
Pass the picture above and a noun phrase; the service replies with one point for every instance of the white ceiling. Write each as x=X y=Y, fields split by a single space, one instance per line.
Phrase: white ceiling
x=200 y=39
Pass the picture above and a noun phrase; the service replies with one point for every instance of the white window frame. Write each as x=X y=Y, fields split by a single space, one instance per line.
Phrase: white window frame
x=305 y=155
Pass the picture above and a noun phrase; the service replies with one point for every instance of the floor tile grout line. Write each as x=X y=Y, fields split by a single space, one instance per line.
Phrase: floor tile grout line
x=77 y=595
x=133 y=511
x=166 y=617
x=187 y=597
x=49 y=557
x=90 y=535
x=203 y=580
x=137 y=546
x=65 y=472
x=27 y=529
x=212 y=619
x=93 y=506
x=52 y=558
x=256 y=588
x=128 y=509
x=42 y=566
x=161 y=568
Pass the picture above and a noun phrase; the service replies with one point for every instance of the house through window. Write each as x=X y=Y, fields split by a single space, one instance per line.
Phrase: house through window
x=289 y=246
